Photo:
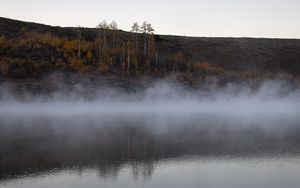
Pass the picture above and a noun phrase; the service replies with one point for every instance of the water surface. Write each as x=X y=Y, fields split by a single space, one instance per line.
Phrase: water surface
x=144 y=150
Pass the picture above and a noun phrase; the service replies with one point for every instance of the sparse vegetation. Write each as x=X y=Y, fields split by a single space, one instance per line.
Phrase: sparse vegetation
x=28 y=49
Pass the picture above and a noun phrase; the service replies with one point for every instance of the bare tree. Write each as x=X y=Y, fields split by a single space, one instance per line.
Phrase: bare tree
x=103 y=26
x=113 y=25
x=150 y=33
x=156 y=61
x=143 y=27
x=79 y=42
x=149 y=28
x=135 y=27
x=99 y=27
x=128 y=56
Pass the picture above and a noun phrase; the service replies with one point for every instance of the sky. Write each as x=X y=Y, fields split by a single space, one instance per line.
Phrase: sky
x=211 y=18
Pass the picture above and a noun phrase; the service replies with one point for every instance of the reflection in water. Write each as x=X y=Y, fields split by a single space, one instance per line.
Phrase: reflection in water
x=149 y=151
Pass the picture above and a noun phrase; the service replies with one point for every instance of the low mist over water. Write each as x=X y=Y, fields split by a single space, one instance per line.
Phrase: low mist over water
x=161 y=135
x=161 y=97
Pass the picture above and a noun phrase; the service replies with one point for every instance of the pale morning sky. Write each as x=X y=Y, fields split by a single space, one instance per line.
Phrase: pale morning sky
x=216 y=18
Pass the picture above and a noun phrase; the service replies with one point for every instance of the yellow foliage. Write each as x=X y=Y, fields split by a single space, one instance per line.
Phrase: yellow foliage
x=151 y=43
x=2 y=42
x=134 y=61
x=205 y=67
x=216 y=70
x=76 y=64
x=133 y=58
x=56 y=42
x=22 y=43
x=201 y=66
x=103 y=68
x=85 y=46
x=110 y=61
x=69 y=45
x=89 y=55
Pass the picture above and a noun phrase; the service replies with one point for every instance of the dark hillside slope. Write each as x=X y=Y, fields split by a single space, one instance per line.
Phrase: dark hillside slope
x=275 y=55
x=30 y=49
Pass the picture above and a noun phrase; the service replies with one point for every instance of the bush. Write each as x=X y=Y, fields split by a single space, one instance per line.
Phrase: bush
x=204 y=67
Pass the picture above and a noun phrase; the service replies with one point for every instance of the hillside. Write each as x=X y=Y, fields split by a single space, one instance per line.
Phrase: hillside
x=34 y=50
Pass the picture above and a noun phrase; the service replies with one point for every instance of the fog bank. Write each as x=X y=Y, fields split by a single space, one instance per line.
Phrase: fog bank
x=161 y=97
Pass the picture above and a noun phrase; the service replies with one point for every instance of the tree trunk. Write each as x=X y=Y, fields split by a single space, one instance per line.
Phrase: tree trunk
x=156 y=63
x=128 y=59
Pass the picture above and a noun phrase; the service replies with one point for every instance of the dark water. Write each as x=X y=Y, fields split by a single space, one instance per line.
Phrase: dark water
x=150 y=151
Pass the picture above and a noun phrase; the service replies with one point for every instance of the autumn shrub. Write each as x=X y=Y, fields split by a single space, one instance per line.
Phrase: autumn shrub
x=204 y=67
x=89 y=56
x=4 y=67
x=103 y=68
x=2 y=42
x=76 y=65
x=59 y=64
x=69 y=45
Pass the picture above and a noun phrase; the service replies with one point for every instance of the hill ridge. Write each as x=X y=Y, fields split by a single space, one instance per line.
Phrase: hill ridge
x=26 y=43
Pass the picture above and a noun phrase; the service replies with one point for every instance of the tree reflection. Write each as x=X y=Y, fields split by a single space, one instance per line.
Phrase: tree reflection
x=33 y=146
